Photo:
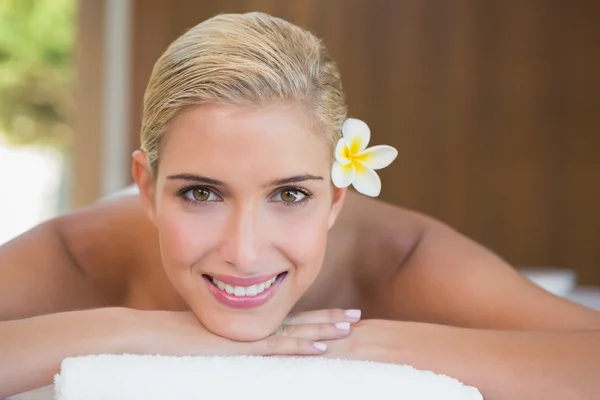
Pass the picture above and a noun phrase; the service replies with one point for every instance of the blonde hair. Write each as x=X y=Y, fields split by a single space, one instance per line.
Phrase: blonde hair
x=241 y=59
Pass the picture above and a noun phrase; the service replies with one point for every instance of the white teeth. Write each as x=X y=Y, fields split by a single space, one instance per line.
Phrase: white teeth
x=242 y=291
x=251 y=291
x=270 y=282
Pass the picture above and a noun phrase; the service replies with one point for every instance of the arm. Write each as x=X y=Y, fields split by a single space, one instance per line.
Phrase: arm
x=46 y=274
x=502 y=364
x=42 y=282
x=32 y=349
x=449 y=279
x=481 y=322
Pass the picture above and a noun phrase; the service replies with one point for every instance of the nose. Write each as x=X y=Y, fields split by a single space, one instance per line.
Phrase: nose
x=243 y=243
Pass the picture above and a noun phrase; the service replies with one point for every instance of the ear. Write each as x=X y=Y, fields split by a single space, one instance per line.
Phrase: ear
x=145 y=182
x=339 y=195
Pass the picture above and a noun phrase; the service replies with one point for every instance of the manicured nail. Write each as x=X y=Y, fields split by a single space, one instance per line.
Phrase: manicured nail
x=344 y=326
x=354 y=314
x=320 y=346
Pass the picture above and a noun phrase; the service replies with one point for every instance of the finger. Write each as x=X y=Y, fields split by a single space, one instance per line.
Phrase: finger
x=284 y=346
x=323 y=316
x=315 y=331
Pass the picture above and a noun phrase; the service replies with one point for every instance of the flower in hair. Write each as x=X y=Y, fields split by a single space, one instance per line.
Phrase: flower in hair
x=355 y=164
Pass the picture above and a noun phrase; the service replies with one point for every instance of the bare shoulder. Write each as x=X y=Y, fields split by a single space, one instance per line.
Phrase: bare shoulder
x=85 y=259
x=373 y=238
x=111 y=241
x=378 y=227
x=449 y=278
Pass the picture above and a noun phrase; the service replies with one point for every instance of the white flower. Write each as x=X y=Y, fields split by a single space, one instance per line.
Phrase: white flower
x=355 y=164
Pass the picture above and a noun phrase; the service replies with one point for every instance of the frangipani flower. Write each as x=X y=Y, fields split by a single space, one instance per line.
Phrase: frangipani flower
x=355 y=164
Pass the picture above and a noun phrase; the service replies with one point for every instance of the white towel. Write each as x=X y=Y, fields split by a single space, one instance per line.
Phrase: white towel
x=132 y=377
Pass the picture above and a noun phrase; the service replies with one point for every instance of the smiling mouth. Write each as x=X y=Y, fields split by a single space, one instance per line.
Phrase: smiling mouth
x=245 y=291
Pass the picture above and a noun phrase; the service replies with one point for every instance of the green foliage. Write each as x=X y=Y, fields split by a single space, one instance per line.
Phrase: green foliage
x=36 y=70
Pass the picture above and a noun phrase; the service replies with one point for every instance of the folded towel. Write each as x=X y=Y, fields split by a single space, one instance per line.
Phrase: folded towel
x=132 y=377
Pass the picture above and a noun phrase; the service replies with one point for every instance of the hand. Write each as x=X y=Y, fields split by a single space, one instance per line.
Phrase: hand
x=181 y=333
x=376 y=340
x=300 y=334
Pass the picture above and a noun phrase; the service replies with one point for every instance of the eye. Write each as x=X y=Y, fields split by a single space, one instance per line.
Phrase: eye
x=291 y=196
x=199 y=195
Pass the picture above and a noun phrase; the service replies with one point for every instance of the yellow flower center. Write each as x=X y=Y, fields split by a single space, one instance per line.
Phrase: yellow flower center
x=348 y=153
x=351 y=151
x=354 y=146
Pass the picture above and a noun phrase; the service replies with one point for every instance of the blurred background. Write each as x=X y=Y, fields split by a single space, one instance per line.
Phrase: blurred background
x=493 y=105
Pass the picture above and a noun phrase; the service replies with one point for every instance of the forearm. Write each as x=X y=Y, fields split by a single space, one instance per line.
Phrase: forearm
x=506 y=364
x=31 y=350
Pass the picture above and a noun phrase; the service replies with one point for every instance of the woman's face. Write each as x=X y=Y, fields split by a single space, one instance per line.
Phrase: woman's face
x=243 y=202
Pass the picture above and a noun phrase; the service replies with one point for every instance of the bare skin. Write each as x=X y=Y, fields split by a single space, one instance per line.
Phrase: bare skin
x=107 y=255
x=391 y=263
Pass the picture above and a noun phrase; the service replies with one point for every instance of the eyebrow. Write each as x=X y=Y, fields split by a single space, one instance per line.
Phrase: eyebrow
x=295 y=179
x=215 y=182
x=196 y=178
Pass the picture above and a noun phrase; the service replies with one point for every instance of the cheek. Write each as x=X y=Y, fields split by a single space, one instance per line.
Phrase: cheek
x=304 y=241
x=182 y=237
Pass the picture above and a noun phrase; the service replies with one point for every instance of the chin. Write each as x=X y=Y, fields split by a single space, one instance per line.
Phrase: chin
x=244 y=324
x=242 y=328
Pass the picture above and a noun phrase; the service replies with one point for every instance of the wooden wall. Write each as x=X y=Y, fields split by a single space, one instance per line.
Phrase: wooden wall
x=494 y=106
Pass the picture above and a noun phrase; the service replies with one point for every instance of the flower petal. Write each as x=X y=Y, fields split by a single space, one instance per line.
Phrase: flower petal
x=377 y=157
x=341 y=152
x=366 y=181
x=342 y=175
x=357 y=134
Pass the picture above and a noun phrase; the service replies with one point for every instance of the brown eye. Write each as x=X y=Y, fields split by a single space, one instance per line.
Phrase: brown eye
x=290 y=196
x=200 y=194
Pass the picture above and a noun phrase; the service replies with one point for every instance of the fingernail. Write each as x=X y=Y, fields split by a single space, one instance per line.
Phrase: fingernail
x=344 y=326
x=320 y=346
x=354 y=314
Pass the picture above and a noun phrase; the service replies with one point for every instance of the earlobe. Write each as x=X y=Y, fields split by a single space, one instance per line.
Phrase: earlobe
x=145 y=182
x=339 y=196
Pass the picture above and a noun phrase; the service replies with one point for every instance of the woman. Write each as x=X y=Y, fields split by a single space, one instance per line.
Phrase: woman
x=247 y=241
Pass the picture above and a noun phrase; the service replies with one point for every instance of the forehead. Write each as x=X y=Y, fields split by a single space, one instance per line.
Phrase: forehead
x=243 y=140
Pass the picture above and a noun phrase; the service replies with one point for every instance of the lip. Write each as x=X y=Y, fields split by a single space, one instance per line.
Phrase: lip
x=236 y=281
x=244 y=302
